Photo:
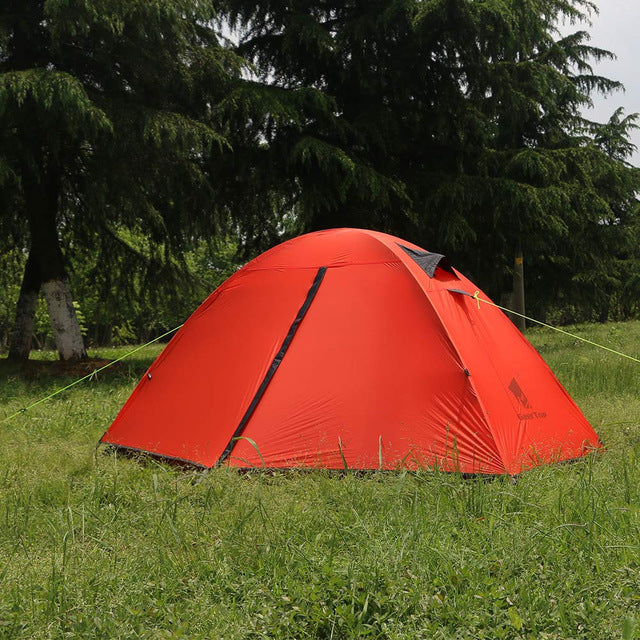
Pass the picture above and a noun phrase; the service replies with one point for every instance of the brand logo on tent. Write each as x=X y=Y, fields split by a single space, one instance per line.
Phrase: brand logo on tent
x=517 y=391
x=522 y=399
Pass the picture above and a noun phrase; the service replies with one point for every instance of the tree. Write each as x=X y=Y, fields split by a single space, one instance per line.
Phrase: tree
x=325 y=73
x=455 y=122
x=537 y=175
x=131 y=134
x=107 y=114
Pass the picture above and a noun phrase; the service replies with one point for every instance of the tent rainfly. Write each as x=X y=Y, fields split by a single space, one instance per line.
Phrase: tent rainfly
x=351 y=348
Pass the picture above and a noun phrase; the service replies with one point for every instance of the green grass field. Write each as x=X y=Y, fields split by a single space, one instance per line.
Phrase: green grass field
x=98 y=546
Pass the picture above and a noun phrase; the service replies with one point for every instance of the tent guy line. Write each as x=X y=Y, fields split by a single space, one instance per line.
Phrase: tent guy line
x=475 y=296
x=89 y=376
x=478 y=299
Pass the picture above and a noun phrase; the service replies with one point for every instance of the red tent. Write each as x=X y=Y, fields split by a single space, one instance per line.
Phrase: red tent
x=351 y=348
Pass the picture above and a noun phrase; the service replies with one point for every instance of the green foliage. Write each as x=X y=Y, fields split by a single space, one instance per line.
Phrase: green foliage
x=103 y=546
x=123 y=310
x=115 y=311
x=457 y=124
x=545 y=178
x=331 y=161
x=111 y=109
x=11 y=268
x=454 y=123
x=57 y=94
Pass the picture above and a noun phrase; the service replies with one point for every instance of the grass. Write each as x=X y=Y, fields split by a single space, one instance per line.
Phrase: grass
x=97 y=546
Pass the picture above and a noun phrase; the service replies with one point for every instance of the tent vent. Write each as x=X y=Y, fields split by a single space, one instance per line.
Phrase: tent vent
x=428 y=261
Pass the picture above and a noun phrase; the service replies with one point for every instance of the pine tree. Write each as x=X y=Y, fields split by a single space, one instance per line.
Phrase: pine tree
x=329 y=76
x=455 y=122
x=107 y=115
x=535 y=174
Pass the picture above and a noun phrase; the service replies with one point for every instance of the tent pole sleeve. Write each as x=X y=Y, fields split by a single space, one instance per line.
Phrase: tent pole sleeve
x=274 y=364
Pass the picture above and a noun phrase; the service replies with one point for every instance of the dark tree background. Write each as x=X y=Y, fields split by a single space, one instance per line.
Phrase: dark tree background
x=108 y=115
x=459 y=126
x=143 y=155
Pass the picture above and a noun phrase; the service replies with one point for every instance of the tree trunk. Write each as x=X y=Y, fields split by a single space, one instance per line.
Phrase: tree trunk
x=66 y=329
x=22 y=335
x=46 y=269
x=518 y=290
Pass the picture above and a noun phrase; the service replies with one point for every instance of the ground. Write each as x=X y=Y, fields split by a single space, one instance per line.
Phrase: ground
x=96 y=545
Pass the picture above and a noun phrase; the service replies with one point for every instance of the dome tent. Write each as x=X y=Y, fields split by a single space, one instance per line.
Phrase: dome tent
x=351 y=348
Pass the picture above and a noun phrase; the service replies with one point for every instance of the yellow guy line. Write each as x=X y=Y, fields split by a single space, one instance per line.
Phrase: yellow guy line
x=88 y=376
x=478 y=299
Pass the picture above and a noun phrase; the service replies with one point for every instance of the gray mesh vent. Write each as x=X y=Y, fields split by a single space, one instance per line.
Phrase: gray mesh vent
x=428 y=261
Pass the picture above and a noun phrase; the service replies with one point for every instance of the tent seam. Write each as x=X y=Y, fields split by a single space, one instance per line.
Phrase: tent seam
x=275 y=364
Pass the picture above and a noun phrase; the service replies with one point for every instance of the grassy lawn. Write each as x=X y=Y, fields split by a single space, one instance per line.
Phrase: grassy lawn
x=94 y=545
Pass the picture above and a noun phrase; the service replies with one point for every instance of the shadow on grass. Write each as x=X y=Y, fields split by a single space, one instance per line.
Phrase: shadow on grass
x=59 y=373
